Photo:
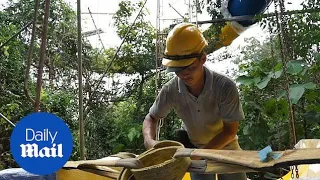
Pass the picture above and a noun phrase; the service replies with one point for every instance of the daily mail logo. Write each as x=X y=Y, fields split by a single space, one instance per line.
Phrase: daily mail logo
x=41 y=143
x=32 y=150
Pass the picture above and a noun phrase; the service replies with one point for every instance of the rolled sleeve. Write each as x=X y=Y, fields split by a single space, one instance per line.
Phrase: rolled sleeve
x=230 y=105
x=162 y=105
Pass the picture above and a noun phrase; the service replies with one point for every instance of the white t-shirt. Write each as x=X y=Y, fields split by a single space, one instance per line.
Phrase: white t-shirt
x=203 y=116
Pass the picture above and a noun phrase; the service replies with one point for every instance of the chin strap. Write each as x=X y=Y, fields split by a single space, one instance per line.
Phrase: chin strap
x=182 y=57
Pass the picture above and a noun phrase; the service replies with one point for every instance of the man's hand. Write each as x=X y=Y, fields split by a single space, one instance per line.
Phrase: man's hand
x=149 y=143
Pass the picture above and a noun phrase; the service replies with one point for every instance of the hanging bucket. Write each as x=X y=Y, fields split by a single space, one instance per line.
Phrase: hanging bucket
x=159 y=164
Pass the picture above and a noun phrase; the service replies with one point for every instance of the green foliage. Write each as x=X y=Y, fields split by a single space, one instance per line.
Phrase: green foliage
x=297 y=90
x=59 y=98
x=212 y=34
x=113 y=119
x=294 y=67
x=138 y=50
x=11 y=86
x=263 y=85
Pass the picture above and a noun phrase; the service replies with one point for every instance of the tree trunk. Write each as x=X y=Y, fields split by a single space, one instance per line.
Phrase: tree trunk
x=42 y=55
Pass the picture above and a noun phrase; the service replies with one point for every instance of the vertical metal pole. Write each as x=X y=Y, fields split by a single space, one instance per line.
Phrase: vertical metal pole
x=190 y=11
x=157 y=43
x=94 y=23
x=81 y=123
x=158 y=60
x=197 y=3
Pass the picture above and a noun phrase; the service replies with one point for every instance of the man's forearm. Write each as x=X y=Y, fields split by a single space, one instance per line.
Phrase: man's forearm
x=220 y=140
x=227 y=135
x=149 y=127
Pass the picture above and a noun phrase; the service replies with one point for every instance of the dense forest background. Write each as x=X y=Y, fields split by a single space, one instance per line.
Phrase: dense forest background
x=290 y=58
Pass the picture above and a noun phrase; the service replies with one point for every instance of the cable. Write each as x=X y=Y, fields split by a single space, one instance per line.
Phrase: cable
x=16 y=34
x=7 y=120
x=114 y=57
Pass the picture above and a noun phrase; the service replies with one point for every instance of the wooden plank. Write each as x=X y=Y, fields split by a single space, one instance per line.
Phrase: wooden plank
x=251 y=159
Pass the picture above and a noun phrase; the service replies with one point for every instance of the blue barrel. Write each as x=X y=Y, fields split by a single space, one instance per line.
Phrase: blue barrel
x=247 y=7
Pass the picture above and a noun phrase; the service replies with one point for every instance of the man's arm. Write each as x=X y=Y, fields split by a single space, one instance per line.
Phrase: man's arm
x=231 y=113
x=227 y=135
x=149 y=131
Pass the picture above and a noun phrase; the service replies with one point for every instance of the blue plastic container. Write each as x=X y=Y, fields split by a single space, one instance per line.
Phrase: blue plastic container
x=247 y=7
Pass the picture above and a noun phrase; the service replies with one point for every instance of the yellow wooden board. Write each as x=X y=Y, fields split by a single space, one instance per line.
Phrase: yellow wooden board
x=186 y=177
x=76 y=174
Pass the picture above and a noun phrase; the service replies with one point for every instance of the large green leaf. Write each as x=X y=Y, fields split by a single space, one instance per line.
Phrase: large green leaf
x=296 y=93
x=297 y=90
x=294 y=67
x=262 y=84
x=244 y=80
x=256 y=80
x=312 y=116
x=132 y=134
x=246 y=130
x=275 y=74
x=281 y=94
x=310 y=85
x=304 y=71
x=278 y=74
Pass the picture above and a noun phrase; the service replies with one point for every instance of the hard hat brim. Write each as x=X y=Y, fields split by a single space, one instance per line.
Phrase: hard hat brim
x=175 y=69
x=177 y=63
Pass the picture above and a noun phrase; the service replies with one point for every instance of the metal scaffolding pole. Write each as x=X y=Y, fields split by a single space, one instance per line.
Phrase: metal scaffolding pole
x=197 y=12
x=94 y=23
x=98 y=13
x=81 y=123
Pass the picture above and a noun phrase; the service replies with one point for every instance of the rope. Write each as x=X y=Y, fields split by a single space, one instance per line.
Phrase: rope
x=160 y=124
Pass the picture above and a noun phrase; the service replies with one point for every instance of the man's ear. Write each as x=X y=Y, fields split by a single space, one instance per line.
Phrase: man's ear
x=203 y=58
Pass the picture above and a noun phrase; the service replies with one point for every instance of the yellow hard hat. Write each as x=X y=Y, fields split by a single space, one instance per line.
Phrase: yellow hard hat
x=184 y=44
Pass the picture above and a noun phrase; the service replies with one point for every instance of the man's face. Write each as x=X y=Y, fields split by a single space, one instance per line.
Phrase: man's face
x=192 y=74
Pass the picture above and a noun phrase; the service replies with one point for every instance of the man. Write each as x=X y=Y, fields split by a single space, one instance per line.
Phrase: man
x=207 y=102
